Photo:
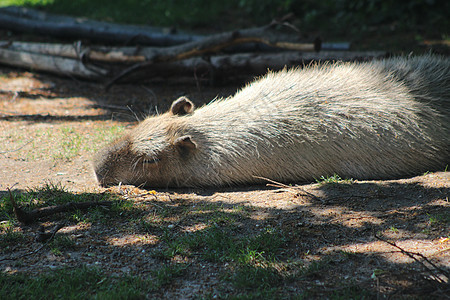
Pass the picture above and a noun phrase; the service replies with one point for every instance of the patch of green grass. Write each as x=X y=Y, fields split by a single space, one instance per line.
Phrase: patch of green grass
x=6 y=225
x=165 y=275
x=269 y=293
x=152 y=12
x=393 y=229
x=60 y=243
x=334 y=179
x=353 y=291
x=212 y=244
x=9 y=237
x=313 y=269
x=426 y=231
x=70 y=144
x=61 y=142
x=86 y=283
x=218 y=214
x=256 y=277
x=443 y=218
x=102 y=136
x=217 y=244
x=220 y=244
x=56 y=194
x=150 y=224
x=252 y=258
x=6 y=209
x=80 y=283
x=348 y=254
x=56 y=251
x=270 y=241
x=214 y=241
x=25 y=2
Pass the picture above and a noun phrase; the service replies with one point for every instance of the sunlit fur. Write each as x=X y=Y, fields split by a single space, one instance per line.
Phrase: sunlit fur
x=376 y=120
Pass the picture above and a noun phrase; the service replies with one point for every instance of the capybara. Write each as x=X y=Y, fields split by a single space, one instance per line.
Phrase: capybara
x=374 y=120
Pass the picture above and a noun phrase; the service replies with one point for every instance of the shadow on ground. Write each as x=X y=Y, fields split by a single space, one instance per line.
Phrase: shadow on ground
x=310 y=240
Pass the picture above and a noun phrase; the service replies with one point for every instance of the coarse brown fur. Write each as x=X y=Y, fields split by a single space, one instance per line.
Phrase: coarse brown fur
x=376 y=120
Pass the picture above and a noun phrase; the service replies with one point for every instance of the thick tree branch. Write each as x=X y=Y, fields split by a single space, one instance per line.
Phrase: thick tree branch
x=38 y=213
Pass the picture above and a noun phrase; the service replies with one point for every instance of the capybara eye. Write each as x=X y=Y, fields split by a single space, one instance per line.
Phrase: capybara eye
x=151 y=160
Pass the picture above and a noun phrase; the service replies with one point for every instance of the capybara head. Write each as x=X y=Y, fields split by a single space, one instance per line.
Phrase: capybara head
x=146 y=153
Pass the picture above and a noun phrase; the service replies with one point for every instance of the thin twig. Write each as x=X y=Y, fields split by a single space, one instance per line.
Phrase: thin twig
x=295 y=189
x=413 y=254
x=9 y=151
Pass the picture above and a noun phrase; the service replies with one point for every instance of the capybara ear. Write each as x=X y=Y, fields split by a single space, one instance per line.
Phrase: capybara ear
x=185 y=145
x=182 y=106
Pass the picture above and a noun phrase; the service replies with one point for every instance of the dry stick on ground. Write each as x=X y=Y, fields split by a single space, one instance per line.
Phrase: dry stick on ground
x=44 y=236
x=32 y=216
x=413 y=256
x=295 y=189
x=17 y=149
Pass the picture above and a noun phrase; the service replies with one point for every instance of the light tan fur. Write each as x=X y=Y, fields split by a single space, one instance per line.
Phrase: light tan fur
x=376 y=120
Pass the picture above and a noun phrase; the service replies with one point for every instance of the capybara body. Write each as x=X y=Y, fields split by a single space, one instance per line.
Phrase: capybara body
x=375 y=120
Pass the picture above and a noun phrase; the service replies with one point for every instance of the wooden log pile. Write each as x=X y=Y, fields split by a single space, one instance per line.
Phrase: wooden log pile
x=112 y=53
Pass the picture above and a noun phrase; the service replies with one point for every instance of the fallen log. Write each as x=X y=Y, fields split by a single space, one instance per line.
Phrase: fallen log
x=54 y=64
x=64 y=50
x=20 y=19
x=114 y=63
x=208 y=45
x=237 y=66
x=72 y=61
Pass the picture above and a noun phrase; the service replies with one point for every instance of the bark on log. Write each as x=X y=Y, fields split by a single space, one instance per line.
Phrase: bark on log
x=29 y=20
x=210 y=44
x=237 y=66
x=54 y=64
x=104 y=63
x=219 y=66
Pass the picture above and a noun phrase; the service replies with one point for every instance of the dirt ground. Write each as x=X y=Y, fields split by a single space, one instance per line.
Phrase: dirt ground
x=50 y=127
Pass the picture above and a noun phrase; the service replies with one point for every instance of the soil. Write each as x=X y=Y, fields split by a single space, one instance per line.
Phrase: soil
x=50 y=127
